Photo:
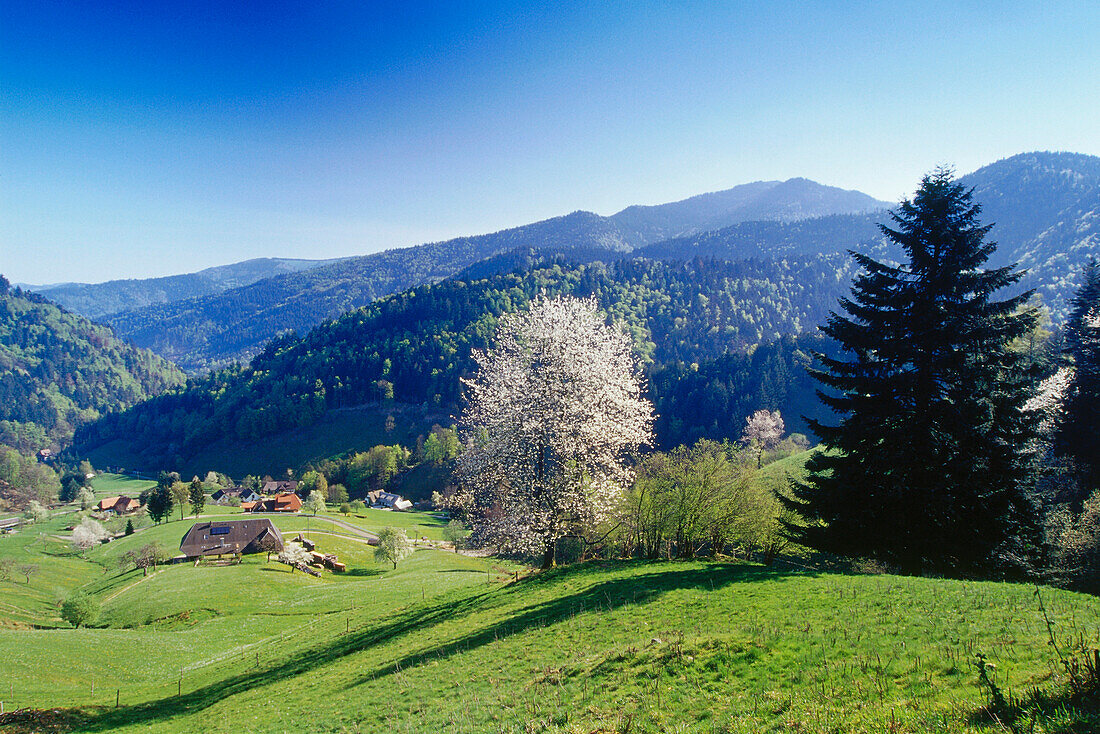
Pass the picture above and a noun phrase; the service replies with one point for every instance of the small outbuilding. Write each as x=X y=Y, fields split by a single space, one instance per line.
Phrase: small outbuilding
x=222 y=537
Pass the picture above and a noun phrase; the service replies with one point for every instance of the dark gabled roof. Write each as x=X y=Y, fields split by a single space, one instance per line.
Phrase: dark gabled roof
x=228 y=536
x=280 y=486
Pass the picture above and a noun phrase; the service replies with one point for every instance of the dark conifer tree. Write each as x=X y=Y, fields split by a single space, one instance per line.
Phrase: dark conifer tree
x=928 y=468
x=1078 y=433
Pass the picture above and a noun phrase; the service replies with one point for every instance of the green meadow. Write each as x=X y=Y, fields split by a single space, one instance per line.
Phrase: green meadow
x=451 y=643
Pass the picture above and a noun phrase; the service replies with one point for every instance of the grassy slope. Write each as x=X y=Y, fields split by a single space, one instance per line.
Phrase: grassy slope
x=665 y=647
x=599 y=647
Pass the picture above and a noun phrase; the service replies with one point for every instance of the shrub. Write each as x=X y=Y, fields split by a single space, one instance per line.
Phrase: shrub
x=80 y=610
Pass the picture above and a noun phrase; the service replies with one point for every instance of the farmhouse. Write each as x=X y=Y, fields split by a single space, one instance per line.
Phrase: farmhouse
x=227 y=495
x=230 y=536
x=280 y=487
x=120 y=505
x=283 y=503
x=388 y=500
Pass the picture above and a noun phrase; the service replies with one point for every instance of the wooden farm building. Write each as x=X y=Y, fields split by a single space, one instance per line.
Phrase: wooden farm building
x=119 y=505
x=280 y=487
x=283 y=503
x=206 y=539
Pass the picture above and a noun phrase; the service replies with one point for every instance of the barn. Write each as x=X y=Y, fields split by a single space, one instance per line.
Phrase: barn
x=220 y=537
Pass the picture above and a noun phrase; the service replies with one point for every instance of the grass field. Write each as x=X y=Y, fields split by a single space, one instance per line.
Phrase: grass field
x=449 y=643
x=623 y=646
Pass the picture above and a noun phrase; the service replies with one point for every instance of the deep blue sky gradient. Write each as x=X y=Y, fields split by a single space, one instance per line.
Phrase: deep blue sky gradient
x=152 y=138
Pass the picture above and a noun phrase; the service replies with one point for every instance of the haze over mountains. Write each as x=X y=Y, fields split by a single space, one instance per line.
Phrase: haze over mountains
x=1045 y=208
x=233 y=324
x=96 y=300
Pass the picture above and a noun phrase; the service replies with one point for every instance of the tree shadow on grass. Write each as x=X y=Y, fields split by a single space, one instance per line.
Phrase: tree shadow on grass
x=606 y=595
x=363 y=572
x=1062 y=711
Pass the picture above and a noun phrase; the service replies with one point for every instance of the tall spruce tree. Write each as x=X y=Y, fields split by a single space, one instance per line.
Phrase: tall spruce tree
x=928 y=468
x=1078 y=434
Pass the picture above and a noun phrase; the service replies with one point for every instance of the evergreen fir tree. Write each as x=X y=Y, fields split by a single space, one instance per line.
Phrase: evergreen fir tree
x=928 y=470
x=1078 y=433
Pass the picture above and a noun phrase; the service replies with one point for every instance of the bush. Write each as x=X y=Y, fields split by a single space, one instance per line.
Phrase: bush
x=1074 y=541
x=80 y=610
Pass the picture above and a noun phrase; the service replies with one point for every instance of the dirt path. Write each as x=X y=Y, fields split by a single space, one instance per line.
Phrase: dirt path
x=127 y=588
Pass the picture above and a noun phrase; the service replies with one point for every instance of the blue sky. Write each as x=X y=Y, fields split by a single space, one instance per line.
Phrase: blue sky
x=154 y=138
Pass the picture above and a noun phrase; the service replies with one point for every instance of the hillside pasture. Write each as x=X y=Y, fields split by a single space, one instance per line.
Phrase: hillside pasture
x=617 y=646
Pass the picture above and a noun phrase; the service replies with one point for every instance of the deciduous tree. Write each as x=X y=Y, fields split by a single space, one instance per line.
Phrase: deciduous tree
x=87 y=534
x=80 y=609
x=558 y=403
x=180 y=495
x=393 y=546
x=763 y=429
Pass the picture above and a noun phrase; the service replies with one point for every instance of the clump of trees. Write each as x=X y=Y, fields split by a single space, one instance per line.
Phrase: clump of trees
x=1070 y=470
x=35 y=512
x=701 y=500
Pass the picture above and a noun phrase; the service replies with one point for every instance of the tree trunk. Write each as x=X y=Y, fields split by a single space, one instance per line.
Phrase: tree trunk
x=548 y=560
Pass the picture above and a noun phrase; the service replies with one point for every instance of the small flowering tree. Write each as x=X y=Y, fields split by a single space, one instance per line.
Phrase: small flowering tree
x=553 y=418
x=393 y=546
x=87 y=534
x=293 y=554
x=763 y=429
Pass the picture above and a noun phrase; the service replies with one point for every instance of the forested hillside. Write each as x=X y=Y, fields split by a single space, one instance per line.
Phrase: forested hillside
x=1044 y=208
x=96 y=300
x=59 y=371
x=211 y=331
x=687 y=319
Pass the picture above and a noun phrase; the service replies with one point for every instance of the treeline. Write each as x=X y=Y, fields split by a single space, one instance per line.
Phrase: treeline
x=413 y=347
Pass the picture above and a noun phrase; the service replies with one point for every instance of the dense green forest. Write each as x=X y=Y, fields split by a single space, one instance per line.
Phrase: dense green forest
x=59 y=371
x=691 y=324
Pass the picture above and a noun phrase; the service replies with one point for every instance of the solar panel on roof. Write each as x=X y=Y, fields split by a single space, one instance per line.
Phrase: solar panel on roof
x=224 y=530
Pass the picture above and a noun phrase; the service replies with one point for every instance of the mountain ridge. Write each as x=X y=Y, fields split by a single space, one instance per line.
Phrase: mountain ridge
x=214 y=330
x=98 y=300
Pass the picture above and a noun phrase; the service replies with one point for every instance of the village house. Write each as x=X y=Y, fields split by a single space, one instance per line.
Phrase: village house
x=229 y=494
x=282 y=503
x=286 y=486
x=388 y=500
x=120 y=505
x=255 y=535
